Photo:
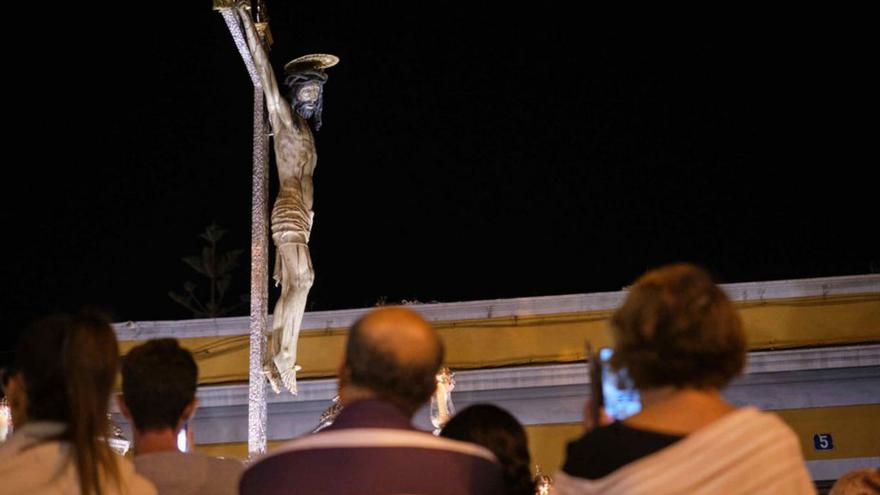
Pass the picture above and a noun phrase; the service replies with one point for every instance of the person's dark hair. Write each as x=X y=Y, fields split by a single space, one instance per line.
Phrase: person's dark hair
x=407 y=386
x=159 y=380
x=678 y=328
x=67 y=364
x=497 y=430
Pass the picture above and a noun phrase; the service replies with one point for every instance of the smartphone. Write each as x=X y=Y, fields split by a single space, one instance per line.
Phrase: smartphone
x=613 y=390
x=595 y=370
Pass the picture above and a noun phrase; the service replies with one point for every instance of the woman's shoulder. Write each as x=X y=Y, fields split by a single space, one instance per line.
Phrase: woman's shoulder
x=27 y=466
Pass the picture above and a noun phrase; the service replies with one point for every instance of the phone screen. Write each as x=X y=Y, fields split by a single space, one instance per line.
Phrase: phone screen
x=620 y=397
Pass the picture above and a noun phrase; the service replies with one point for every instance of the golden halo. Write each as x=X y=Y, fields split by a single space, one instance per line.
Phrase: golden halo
x=315 y=61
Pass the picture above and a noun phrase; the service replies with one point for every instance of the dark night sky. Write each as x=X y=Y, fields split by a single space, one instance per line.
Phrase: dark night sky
x=464 y=155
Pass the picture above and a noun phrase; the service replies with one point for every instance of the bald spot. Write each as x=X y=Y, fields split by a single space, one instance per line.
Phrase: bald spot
x=401 y=333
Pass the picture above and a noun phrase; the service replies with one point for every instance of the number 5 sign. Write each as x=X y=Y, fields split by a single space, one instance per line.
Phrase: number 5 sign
x=823 y=441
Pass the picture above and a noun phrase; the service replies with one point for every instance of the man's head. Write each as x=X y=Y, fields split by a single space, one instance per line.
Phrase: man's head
x=159 y=385
x=305 y=76
x=307 y=93
x=394 y=354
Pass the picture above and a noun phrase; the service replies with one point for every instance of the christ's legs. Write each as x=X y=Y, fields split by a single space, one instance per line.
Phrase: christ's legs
x=296 y=278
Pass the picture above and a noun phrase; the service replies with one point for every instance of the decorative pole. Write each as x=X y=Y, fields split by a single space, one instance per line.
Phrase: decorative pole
x=257 y=406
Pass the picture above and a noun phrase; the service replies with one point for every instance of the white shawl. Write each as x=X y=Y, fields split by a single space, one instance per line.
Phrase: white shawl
x=744 y=452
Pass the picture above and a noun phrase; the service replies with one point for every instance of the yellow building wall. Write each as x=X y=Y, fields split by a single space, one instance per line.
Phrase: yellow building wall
x=559 y=338
x=855 y=430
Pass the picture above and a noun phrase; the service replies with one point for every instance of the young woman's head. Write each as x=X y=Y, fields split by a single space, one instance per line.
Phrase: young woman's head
x=497 y=430
x=65 y=366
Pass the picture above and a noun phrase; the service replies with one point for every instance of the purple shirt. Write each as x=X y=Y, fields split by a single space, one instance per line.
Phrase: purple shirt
x=372 y=448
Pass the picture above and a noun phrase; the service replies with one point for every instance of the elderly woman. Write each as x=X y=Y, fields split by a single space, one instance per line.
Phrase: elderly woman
x=681 y=341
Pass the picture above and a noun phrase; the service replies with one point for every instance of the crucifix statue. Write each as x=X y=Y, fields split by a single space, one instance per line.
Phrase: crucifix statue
x=292 y=213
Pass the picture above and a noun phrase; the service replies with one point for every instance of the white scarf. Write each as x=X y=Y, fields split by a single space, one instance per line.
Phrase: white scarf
x=744 y=452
